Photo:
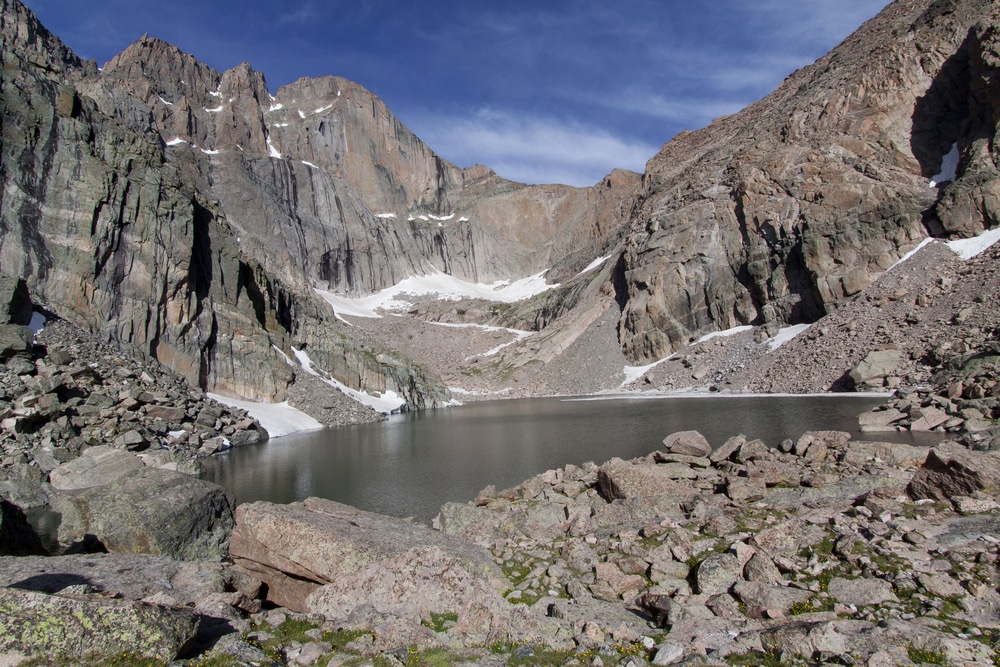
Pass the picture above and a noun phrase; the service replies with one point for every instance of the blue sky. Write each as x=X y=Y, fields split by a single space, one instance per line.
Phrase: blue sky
x=558 y=91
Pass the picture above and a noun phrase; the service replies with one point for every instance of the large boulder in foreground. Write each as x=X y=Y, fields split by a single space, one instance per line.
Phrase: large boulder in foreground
x=150 y=511
x=68 y=628
x=324 y=557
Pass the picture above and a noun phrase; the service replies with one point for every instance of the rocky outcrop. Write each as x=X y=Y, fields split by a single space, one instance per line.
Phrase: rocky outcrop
x=782 y=211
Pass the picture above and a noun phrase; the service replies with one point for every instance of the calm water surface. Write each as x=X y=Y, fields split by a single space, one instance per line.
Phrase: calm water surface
x=413 y=463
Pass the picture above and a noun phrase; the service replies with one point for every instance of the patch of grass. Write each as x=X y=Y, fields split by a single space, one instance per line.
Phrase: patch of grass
x=812 y=604
x=441 y=622
x=925 y=656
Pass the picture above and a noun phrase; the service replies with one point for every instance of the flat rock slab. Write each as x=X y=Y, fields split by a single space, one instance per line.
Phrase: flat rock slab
x=133 y=576
x=325 y=557
x=97 y=466
x=38 y=624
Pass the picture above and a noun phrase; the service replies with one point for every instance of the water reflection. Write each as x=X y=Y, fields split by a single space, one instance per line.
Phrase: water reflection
x=413 y=463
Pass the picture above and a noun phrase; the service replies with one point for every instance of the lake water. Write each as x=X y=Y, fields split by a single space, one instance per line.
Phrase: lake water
x=415 y=462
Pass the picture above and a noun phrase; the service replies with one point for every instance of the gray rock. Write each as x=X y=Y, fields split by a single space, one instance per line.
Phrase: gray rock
x=34 y=623
x=150 y=510
x=875 y=367
x=621 y=479
x=767 y=600
x=861 y=592
x=689 y=443
x=717 y=573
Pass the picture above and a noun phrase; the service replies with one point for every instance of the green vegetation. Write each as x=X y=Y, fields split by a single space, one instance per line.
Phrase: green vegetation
x=925 y=656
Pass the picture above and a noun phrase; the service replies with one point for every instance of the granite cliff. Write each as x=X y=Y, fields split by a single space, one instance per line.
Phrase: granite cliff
x=777 y=214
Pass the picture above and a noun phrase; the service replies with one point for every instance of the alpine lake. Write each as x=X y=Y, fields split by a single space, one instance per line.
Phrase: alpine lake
x=411 y=464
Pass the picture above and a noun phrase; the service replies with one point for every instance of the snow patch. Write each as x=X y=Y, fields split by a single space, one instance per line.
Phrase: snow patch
x=272 y=151
x=302 y=114
x=949 y=167
x=309 y=164
x=969 y=248
x=386 y=403
x=215 y=93
x=441 y=217
x=633 y=373
x=385 y=216
x=277 y=418
x=446 y=287
x=176 y=141
x=215 y=110
x=518 y=334
x=280 y=125
x=784 y=335
x=596 y=263
x=910 y=254
x=207 y=151
x=463 y=219
x=322 y=109
x=169 y=104
x=727 y=332
x=275 y=107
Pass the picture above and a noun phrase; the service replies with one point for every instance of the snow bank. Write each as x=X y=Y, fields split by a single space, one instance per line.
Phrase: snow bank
x=633 y=373
x=272 y=151
x=444 y=286
x=784 y=335
x=969 y=248
x=278 y=418
x=727 y=332
x=593 y=265
x=518 y=334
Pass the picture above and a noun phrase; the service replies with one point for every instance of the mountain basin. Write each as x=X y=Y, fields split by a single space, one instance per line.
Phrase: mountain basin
x=413 y=463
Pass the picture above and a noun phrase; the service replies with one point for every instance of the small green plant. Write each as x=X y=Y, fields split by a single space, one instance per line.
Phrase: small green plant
x=925 y=656
x=441 y=622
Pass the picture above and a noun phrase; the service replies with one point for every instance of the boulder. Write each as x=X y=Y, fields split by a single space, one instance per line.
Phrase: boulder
x=718 y=573
x=767 y=600
x=861 y=592
x=953 y=470
x=150 y=510
x=622 y=479
x=689 y=443
x=96 y=466
x=874 y=368
x=70 y=628
x=324 y=557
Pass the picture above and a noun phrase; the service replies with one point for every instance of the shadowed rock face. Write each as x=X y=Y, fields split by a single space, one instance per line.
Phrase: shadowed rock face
x=781 y=211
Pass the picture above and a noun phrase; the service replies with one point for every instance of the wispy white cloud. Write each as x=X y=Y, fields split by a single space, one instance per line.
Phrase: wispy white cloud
x=532 y=148
x=302 y=14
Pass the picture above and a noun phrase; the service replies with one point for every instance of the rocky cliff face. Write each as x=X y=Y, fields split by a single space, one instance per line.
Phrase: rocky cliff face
x=780 y=212
x=192 y=214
